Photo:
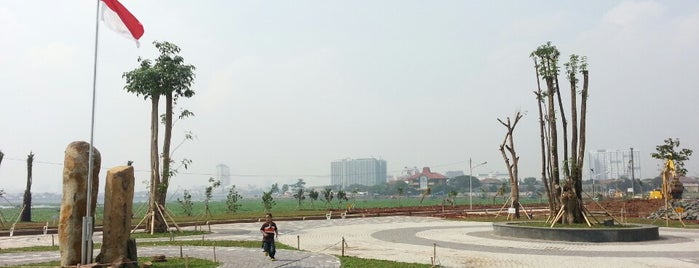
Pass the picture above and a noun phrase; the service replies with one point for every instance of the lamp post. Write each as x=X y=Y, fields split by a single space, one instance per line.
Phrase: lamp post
x=470 y=178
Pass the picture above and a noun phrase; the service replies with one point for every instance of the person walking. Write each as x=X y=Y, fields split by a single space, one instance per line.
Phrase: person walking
x=269 y=231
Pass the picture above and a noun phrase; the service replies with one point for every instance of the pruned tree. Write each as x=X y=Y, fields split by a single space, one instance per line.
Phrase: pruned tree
x=27 y=200
x=563 y=194
x=167 y=76
x=509 y=155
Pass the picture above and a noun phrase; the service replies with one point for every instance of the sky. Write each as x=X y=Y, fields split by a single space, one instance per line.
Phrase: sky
x=283 y=88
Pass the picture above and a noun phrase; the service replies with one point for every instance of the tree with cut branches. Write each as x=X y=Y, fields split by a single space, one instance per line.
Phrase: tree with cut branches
x=27 y=200
x=509 y=155
x=565 y=194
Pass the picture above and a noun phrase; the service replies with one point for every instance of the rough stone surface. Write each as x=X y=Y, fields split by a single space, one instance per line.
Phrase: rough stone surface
x=74 y=200
x=118 y=204
x=689 y=210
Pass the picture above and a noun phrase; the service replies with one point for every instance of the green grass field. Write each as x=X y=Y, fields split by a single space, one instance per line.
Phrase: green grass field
x=250 y=208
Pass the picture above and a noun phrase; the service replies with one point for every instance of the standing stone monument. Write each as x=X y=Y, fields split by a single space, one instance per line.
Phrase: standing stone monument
x=118 y=204
x=74 y=200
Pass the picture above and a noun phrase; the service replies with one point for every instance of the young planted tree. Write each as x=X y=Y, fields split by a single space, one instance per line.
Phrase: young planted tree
x=186 y=203
x=313 y=195
x=208 y=193
x=232 y=200
x=268 y=201
x=167 y=76
x=27 y=200
x=671 y=151
x=328 y=195
x=563 y=194
x=341 y=195
x=299 y=195
x=509 y=155
x=425 y=193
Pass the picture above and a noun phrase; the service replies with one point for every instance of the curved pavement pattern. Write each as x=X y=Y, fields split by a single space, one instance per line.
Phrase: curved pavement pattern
x=410 y=239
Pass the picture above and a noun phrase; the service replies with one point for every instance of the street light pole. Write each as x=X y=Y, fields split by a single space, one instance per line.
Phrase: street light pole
x=470 y=179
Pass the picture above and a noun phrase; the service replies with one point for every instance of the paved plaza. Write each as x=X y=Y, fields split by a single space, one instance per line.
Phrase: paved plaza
x=447 y=243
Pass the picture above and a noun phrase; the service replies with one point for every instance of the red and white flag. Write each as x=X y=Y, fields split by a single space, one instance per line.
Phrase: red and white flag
x=119 y=19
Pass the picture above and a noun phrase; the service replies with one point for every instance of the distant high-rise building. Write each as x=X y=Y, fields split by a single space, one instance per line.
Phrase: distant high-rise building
x=223 y=174
x=363 y=171
x=614 y=164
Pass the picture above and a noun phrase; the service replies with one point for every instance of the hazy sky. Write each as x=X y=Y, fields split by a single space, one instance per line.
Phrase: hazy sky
x=285 y=87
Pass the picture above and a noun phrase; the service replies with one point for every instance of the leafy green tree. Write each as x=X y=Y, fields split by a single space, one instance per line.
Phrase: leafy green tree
x=299 y=196
x=313 y=194
x=328 y=195
x=400 y=191
x=341 y=195
x=275 y=188
x=268 y=201
x=285 y=188
x=186 y=203
x=461 y=183
x=670 y=150
x=208 y=193
x=299 y=184
x=232 y=200
x=529 y=184
x=167 y=76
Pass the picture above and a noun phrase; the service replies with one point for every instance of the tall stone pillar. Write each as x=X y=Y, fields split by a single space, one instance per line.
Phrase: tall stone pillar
x=74 y=200
x=118 y=204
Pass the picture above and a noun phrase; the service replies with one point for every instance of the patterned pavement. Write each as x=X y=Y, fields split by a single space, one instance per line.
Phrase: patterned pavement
x=410 y=239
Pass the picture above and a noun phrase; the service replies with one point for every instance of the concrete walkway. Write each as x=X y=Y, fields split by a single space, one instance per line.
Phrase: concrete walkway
x=408 y=239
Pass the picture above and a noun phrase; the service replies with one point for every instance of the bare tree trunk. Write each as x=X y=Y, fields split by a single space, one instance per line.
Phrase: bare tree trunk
x=27 y=200
x=575 y=166
x=553 y=146
x=583 y=118
x=542 y=124
x=564 y=123
x=167 y=138
x=159 y=222
x=512 y=168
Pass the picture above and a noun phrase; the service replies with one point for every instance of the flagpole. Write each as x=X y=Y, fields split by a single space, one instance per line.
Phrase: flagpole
x=88 y=221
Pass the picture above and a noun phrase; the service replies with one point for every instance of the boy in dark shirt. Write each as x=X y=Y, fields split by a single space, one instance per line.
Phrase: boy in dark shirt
x=269 y=231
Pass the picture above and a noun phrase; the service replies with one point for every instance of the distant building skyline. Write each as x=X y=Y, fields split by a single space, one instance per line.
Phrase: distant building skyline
x=362 y=171
x=223 y=174
x=613 y=164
